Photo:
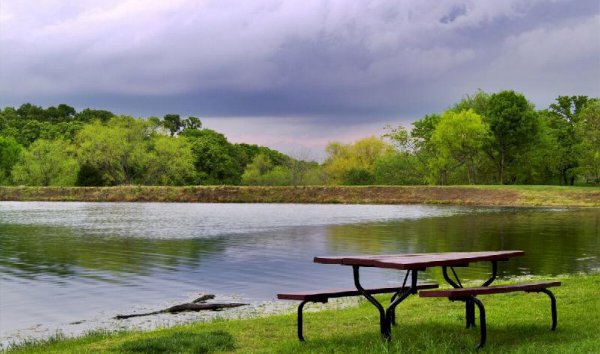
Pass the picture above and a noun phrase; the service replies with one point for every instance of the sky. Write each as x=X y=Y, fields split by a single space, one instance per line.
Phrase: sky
x=294 y=75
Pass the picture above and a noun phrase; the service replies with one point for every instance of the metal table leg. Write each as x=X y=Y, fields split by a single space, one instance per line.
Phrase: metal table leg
x=469 y=303
x=383 y=326
x=386 y=316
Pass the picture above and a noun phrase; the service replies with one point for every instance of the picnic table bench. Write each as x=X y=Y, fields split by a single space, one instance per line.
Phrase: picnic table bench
x=469 y=295
x=323 y=296
x=415 y=262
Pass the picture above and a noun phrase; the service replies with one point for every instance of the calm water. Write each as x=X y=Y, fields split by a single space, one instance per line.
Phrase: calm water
x=64 y=262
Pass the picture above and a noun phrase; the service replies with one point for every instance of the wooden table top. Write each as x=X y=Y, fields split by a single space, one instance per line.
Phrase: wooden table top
x=410 y=261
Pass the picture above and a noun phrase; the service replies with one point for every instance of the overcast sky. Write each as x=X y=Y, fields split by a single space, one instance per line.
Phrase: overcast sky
x=294 y=74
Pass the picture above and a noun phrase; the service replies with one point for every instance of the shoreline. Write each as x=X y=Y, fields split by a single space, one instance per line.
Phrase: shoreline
x=105 y=322
x=477 y=195
x=274 y=331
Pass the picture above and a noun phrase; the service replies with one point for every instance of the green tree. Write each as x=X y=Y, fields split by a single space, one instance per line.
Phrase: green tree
x=398 y=168
x=343 y=158
x=262 y=172
x=513 y=124
x=192 y=123
x=423 y=129
x=458 y=138
x=29 y=131
x=247 y=152
x=478 y=102
x=540 y=165
x=173 y=123
x=588 y=149
x=358 y=177
x=114 y=153
x=170 y=161
x=62 y=113
x=400 y=138
x=47 y=163
x=315 y=174
x=89 y=115
x=563 y=118
x=28 y=111
x=215 y=159
x=10 y=152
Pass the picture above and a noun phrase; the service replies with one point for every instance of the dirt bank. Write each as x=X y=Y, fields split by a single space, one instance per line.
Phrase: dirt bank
x=547 y=196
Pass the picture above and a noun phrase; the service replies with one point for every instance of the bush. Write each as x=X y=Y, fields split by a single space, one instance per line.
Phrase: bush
x=358 y=176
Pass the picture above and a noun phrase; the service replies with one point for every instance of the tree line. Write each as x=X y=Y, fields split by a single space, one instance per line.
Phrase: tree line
x=486 y=138
x=57 y=146
x=497 y=138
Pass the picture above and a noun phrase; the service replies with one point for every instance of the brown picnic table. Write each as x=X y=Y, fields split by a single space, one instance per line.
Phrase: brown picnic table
x=414 y=262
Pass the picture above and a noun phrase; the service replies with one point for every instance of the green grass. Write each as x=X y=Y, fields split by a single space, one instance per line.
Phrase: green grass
x=517 y=323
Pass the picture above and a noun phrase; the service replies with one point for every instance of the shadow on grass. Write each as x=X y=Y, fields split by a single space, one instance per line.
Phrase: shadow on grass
x=181 y=342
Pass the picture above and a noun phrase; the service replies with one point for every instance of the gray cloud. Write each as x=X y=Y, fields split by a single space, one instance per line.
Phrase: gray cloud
x=319 y=63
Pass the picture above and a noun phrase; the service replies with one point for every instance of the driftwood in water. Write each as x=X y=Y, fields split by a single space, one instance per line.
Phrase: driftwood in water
x=197 y=305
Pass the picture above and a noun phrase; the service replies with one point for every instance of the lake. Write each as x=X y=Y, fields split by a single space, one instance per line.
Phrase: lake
x=65 y=262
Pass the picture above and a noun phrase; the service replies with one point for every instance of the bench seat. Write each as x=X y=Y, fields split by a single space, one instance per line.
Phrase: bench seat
x=323 y=295
x=484 y=290
x=468 y=295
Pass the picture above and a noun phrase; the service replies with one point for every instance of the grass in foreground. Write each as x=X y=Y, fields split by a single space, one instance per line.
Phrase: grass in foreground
x=517 y=323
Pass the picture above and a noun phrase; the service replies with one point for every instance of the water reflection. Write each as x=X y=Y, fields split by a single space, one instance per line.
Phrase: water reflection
x=28 y=251
x=555 y=242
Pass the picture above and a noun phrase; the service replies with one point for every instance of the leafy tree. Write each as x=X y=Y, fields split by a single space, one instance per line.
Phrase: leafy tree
x=342 y=158
x=298 y=170
x=192 y=123
x=315 y=174
x=62 y=113
x=29 y=132
x=540 y=165
x=358 y=177
x=29 y=123
x=400 y=138
x=423 y=129
x=116 y=151
x=458 y=138
x=47 y=163
x=247 y=152
x=563 y=118
x=262 y=172
x=8 y=116
x=170 y=161
x=10 y=152
x=216 y=159
x=588 y=150
x=173 y=123
x=478 y=102
x=513 y=124
x=89 y=115
x=28 y=111
x=398 y=169
x=278 y=176
x=62 y=130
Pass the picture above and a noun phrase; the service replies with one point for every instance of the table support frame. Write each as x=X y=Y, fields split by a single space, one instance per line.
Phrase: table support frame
x=469 y=303
x=387 y=316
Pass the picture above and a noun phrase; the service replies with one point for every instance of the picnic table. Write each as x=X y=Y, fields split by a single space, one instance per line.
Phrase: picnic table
x=415 y=262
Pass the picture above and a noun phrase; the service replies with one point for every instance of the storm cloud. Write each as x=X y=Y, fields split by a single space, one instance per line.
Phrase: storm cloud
x=337 y=65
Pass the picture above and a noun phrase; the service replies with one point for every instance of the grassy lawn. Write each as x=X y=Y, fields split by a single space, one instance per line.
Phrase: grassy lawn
x=517 y=323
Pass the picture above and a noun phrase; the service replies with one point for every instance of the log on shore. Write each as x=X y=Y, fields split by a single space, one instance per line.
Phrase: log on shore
x=185 y=307
x=197 y=305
